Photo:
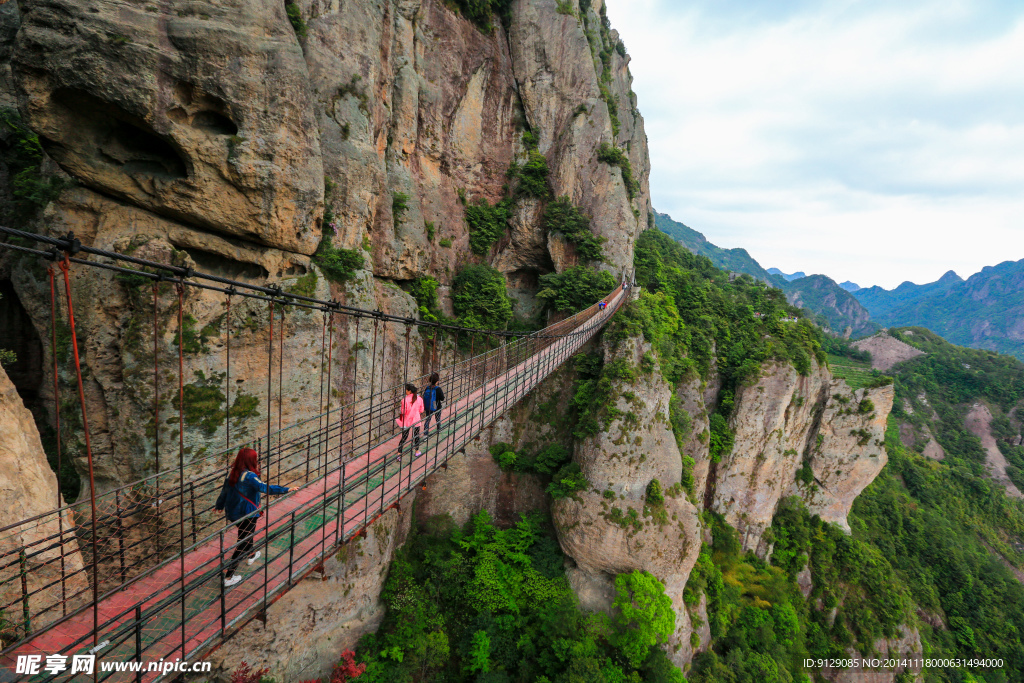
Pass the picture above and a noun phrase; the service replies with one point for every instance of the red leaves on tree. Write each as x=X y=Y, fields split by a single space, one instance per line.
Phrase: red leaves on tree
x=246 y=674
x=347 y=669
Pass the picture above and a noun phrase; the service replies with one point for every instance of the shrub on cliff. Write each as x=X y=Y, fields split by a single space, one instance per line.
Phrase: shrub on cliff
x=480 y=298
x=576 y=289
x=563 y=218
x=338 y=265
x=486 y=223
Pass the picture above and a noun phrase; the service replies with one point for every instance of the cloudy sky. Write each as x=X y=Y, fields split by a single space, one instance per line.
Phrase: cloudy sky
x=871 y=141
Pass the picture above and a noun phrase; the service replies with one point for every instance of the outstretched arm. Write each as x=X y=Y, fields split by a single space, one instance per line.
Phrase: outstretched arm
x=270 y=489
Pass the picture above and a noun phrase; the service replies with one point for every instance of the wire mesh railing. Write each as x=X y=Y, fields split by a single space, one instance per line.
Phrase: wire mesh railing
x=137 y=565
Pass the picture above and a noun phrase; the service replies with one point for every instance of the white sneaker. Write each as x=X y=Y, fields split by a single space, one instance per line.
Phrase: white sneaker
x=236 y=579
x=252 y=558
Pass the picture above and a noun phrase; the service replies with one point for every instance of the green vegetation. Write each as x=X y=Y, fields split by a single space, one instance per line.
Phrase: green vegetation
x=487 y=223
x=295 y=17
x=613 y=156
x=486 y=604
x=196 y=341
x=722 y=438
x=689 y=308
x=203 y=403
x=305 y=285
x=481 y=12
x=480 y=298
x=428 y=227
x=576 y=289
x=562 y=217
x=338 y=265
x=445 y=242
x=532 y=175
x=31 y=190
x=399 y=206
x=424 y=291
x=980 y=312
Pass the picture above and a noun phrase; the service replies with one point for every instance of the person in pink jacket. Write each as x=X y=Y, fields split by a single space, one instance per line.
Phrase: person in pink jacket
x=410 y=412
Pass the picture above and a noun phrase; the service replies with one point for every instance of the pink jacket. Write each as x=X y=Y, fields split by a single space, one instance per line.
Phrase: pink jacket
x=410 y=412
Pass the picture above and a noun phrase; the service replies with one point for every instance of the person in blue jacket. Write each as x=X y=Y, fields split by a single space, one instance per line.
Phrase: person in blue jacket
x=240 y=499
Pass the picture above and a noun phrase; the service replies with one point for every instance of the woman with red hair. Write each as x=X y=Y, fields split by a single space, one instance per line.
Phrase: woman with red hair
x=240 y=500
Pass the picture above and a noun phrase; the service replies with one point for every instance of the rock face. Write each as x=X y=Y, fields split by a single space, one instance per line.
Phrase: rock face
x=610 y=529
x=216 y=137
x=886 y=351
x=782 y=422
x=979 y=423
x=200 y=114
x=28 y=488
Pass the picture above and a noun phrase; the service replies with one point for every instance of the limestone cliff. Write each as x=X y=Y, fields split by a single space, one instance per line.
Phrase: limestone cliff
x=227 y=139
x=784 y=423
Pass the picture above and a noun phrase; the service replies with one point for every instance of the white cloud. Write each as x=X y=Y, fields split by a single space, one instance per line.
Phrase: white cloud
x=876 y=142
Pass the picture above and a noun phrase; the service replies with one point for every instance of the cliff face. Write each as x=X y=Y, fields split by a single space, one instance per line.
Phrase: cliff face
x=784 y=423
x=220 y=138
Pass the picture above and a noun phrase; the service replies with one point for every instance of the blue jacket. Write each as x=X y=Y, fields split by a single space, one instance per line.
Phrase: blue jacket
x=248 y=487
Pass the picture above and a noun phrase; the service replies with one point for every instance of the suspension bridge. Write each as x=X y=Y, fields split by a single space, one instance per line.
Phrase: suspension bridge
x=135 y=573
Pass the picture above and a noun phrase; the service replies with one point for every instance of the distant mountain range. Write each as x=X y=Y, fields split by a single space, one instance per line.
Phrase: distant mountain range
x=788 y=276
x=986 y=311
x=828 y=303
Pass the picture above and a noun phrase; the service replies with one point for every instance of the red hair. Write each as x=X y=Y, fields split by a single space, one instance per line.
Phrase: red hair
x=247 y=459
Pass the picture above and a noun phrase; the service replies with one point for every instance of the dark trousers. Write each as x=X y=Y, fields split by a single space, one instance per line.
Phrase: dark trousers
x=415 y=437
x=436 y=414
x=246 y=530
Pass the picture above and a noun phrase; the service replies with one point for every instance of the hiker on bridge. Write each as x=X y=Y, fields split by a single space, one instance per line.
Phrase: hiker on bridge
x=409 y=415
x=433 y=397
x=239 y=499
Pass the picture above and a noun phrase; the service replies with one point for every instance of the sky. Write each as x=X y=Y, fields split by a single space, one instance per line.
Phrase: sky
x=876 y=142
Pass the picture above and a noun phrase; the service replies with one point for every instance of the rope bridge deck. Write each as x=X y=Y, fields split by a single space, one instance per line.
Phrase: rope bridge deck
x=172 y=603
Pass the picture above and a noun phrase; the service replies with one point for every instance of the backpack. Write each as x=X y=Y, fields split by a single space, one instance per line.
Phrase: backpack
x=222 y=499
x=229 y=495
x=430 y=399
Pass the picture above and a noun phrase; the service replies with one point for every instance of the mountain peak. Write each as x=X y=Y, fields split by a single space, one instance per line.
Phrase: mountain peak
x=950 y=276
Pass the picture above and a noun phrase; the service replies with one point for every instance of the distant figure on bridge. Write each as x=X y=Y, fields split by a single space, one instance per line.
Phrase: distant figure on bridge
x=601 y=305
x=239 y=499
x=410 y=413
x=433 y=397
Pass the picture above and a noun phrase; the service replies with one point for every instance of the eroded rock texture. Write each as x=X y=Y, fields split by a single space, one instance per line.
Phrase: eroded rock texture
x=199 y=113
x=28 y=489
x=611 y=529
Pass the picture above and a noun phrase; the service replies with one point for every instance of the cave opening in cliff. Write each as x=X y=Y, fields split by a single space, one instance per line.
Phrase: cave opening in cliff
x=18 y=335
x=213 y=122
x=105 y=132
x=28 y=375
x=209 y=262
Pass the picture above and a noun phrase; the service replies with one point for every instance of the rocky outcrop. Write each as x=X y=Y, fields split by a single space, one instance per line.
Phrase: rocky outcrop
x=979 y=422
x=200 y=114
x=848 y=450
x=28 y=488
x=886 y=351
x=611 y=529
x=783 y=423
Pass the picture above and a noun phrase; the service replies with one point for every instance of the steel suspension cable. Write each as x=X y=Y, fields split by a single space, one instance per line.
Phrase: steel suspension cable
x=60 y=464
x=181 y=460
x=65 y=267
